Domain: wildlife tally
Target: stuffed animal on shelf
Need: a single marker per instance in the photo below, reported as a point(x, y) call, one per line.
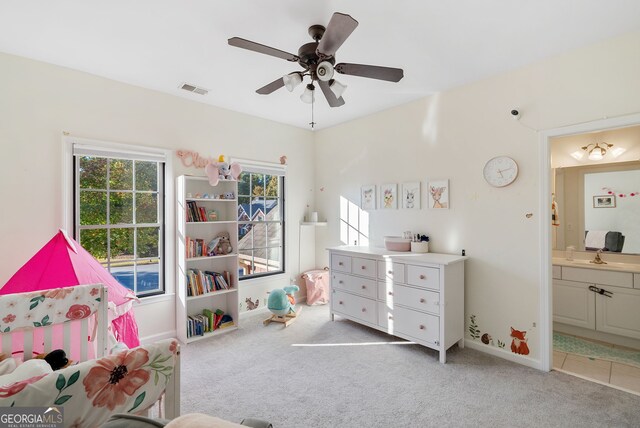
point(281, 303)
point(222, 170)
point(220, 245)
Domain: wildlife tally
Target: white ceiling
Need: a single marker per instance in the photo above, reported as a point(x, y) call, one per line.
point(159, 44)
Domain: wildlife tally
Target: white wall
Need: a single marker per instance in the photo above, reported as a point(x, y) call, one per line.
point(451, 135)
point(39, 101)
point(621, 218)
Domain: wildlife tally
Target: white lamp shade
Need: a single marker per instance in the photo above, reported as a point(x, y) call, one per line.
point(307, 95)
point(596, 154)
point(337, 88)
point(291, 81)
point(324, 71)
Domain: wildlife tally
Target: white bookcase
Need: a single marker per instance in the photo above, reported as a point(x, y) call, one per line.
point(198, 190)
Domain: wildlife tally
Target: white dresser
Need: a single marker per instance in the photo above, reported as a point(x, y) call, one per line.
point(419, 297)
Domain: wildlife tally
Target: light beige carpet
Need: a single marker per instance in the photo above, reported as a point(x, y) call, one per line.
point(347, 375)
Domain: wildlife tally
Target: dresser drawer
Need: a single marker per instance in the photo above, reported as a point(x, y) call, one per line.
point(340, 280)
point(363, 286)
point(421, 326)
point(386, 291)
point(341, 263)
point(354, 306)
point(363, 267)
point(417, 298)
point(390, 271)
point(422, 276)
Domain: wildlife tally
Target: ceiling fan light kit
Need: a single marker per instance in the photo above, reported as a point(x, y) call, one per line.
point(307, 95)
point(317, 60)
point(292, 80)
point(337, 87)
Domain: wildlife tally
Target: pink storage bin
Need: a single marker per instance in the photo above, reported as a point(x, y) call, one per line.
point(317, 282)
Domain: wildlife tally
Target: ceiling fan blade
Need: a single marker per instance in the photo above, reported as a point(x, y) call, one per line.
point(257, 47)
point(329, 95)
point(370, 71)
point(339, 28)
point(271, 87)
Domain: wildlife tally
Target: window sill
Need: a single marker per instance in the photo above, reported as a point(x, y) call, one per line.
point(155, 299)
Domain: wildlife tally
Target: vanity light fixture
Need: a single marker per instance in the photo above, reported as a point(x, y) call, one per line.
point(597, 151)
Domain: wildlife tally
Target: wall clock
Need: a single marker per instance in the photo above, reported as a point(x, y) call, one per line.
point(500, 171)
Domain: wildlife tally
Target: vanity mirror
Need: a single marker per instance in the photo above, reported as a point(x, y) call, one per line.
point(597, 199)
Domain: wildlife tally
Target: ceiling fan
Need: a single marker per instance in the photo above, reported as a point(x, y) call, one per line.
point(317, 58)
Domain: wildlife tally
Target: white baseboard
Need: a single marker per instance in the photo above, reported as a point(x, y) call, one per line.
point(155, 337)
point(502, 353)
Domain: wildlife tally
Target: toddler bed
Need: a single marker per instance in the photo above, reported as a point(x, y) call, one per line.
point(95, 385)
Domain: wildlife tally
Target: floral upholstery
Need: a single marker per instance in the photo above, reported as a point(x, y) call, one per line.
point(90, 392)
point(47, 307)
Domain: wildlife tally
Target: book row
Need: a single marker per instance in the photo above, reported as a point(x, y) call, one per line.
point(196, 213)
point(207, 322)
point(202, 282)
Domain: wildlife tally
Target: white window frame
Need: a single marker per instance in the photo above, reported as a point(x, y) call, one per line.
point(268, 168)
point(105, 147)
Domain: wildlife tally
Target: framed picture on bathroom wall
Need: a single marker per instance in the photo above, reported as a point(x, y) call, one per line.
point(604, 201)
point(368, 197)
point(388, 196)
point(438, 194)
point(411, 195)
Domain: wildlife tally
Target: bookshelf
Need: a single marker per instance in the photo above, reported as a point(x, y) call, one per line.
point(207, 279)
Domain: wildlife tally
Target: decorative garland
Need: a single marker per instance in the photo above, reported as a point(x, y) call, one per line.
point(620, 195)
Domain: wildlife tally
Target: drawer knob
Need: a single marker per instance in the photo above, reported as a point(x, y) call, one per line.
point(364, 309)
point(363, 267)
point(390, 293)
point(340, 282)
point(390, 272)
point(390, 317)
point(340, 264)
point(340, 302)
point(422, 327)
point(422, 300)
point(423, 277)
point(364, 287)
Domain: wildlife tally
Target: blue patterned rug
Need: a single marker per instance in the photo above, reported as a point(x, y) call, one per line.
point(575, 345)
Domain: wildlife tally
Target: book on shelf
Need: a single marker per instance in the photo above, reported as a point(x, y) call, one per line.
point(195, 213)
point(202, 282)
point(207, 322)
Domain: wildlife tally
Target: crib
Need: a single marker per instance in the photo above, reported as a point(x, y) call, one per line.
point(95, 385)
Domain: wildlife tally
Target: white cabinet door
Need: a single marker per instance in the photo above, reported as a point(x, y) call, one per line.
point(574, 304)
point(619, 313)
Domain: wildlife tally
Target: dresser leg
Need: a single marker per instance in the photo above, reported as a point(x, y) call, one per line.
point(332, 317)
point(461, 343)
point(443, 357)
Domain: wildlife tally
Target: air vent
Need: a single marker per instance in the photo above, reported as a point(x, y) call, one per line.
point(194, 89)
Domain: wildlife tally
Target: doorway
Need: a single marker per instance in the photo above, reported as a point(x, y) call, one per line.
point(570, 340)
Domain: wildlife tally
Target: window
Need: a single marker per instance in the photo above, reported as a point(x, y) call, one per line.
point(119, 214)
point(260, 222)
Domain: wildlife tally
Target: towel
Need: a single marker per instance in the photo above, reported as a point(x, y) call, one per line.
point(595, 239)
point(555, 215)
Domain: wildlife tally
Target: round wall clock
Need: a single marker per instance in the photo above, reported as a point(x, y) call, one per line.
point(500, 171)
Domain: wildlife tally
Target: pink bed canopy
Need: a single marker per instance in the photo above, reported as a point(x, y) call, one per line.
point(62, 262)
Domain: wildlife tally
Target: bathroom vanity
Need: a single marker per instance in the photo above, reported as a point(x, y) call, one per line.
point(418, 297)
point(599, 299)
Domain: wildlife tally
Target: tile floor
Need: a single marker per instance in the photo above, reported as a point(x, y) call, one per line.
point(617, 375)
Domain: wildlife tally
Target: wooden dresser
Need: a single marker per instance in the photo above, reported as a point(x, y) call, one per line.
point(418, 297)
